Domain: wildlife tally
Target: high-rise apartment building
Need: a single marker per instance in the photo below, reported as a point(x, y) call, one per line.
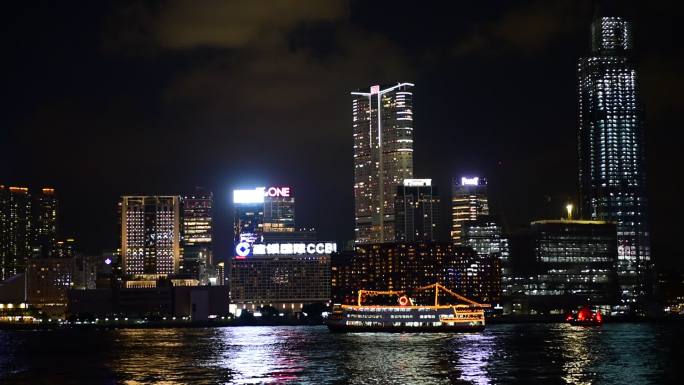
point(612, 173)
point(416, 210)
point(45, 224)
point(16, 235)
point(196, 234)
point(150, 235)
point(382, 121)
point(468, 202)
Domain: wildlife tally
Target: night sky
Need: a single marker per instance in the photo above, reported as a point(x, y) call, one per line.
point(104, 99)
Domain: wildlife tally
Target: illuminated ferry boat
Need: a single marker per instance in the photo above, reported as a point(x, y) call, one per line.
point(407, 316)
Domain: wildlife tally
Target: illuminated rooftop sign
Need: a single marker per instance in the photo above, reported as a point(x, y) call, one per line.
point(417, 182)
point(374, 90)
point(278, 192)
point(258, 194)
point(474, 181)
point(244, 249)
point(249, 196)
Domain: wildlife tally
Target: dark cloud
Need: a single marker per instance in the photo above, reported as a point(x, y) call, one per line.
point(528, 28)
point(184, 24)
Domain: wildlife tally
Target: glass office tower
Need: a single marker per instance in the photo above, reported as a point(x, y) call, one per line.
point(416, 209)
point(612, 173)
point(197, 234)
point(382, 121)
point(468, 202)
point(248, 221)
point(279, 211)
point(576, 264)
point(485, 235)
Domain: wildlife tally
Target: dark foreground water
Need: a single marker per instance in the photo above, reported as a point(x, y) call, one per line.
point(527, 353)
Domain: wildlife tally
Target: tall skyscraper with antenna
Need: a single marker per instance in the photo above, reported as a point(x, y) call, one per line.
point(612, 172)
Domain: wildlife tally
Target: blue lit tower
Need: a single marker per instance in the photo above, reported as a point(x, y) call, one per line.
point(611, 150)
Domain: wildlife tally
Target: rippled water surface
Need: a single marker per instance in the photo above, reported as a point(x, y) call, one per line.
point(543, 354)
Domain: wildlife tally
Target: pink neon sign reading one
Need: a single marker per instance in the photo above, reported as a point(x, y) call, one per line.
point(278, 192)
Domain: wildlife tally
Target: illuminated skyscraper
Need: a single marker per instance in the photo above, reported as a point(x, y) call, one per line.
point(45, 226)
point(468, 202)
point(279, 210)
point(417, 211)
point(485, 236)
point(150, 235)
point(15, 230)
point(575, 264)
point(248, 207)
point(612, 171)
point(196, 233)
point(382, 121)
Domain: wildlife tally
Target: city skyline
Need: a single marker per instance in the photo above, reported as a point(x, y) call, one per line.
point(341, 191)
point(535, 185)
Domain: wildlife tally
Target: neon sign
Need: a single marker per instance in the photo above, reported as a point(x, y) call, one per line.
point(375, 90)
point(278, 192)
point(417, 182)
point(255, 195)
point(474, 181)
point(244, 249)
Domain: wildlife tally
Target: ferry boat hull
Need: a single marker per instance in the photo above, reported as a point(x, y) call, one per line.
point(339, 328)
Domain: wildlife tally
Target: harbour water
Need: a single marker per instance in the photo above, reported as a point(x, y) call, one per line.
point(502, 354)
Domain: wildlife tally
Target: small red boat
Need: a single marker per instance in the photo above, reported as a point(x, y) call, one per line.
point(585, 317)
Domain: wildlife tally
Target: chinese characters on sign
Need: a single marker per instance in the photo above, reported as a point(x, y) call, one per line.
point(244, 249)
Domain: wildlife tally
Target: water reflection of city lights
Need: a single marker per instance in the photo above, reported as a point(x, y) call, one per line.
point(257, 355)
point(473, 354)
point(380, 358)
point(135, 366)
point(576, 354)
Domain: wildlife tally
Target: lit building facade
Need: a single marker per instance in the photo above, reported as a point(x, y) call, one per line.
point(416, 210)
point(150, 235)
point(286, 276)
point(267, 215)
point(45, 226)
point(197, 235)
point(612, 171)
point(65, 248)
point(382, 121)
point(485, 236)
point(48, 281)
point(16, 236)
point(468, 201)
point(576, 264)
point(410, 265)
point(279, 210)
point(248, 209)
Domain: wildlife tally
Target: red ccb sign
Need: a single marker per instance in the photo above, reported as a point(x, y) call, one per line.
point(278, 192)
